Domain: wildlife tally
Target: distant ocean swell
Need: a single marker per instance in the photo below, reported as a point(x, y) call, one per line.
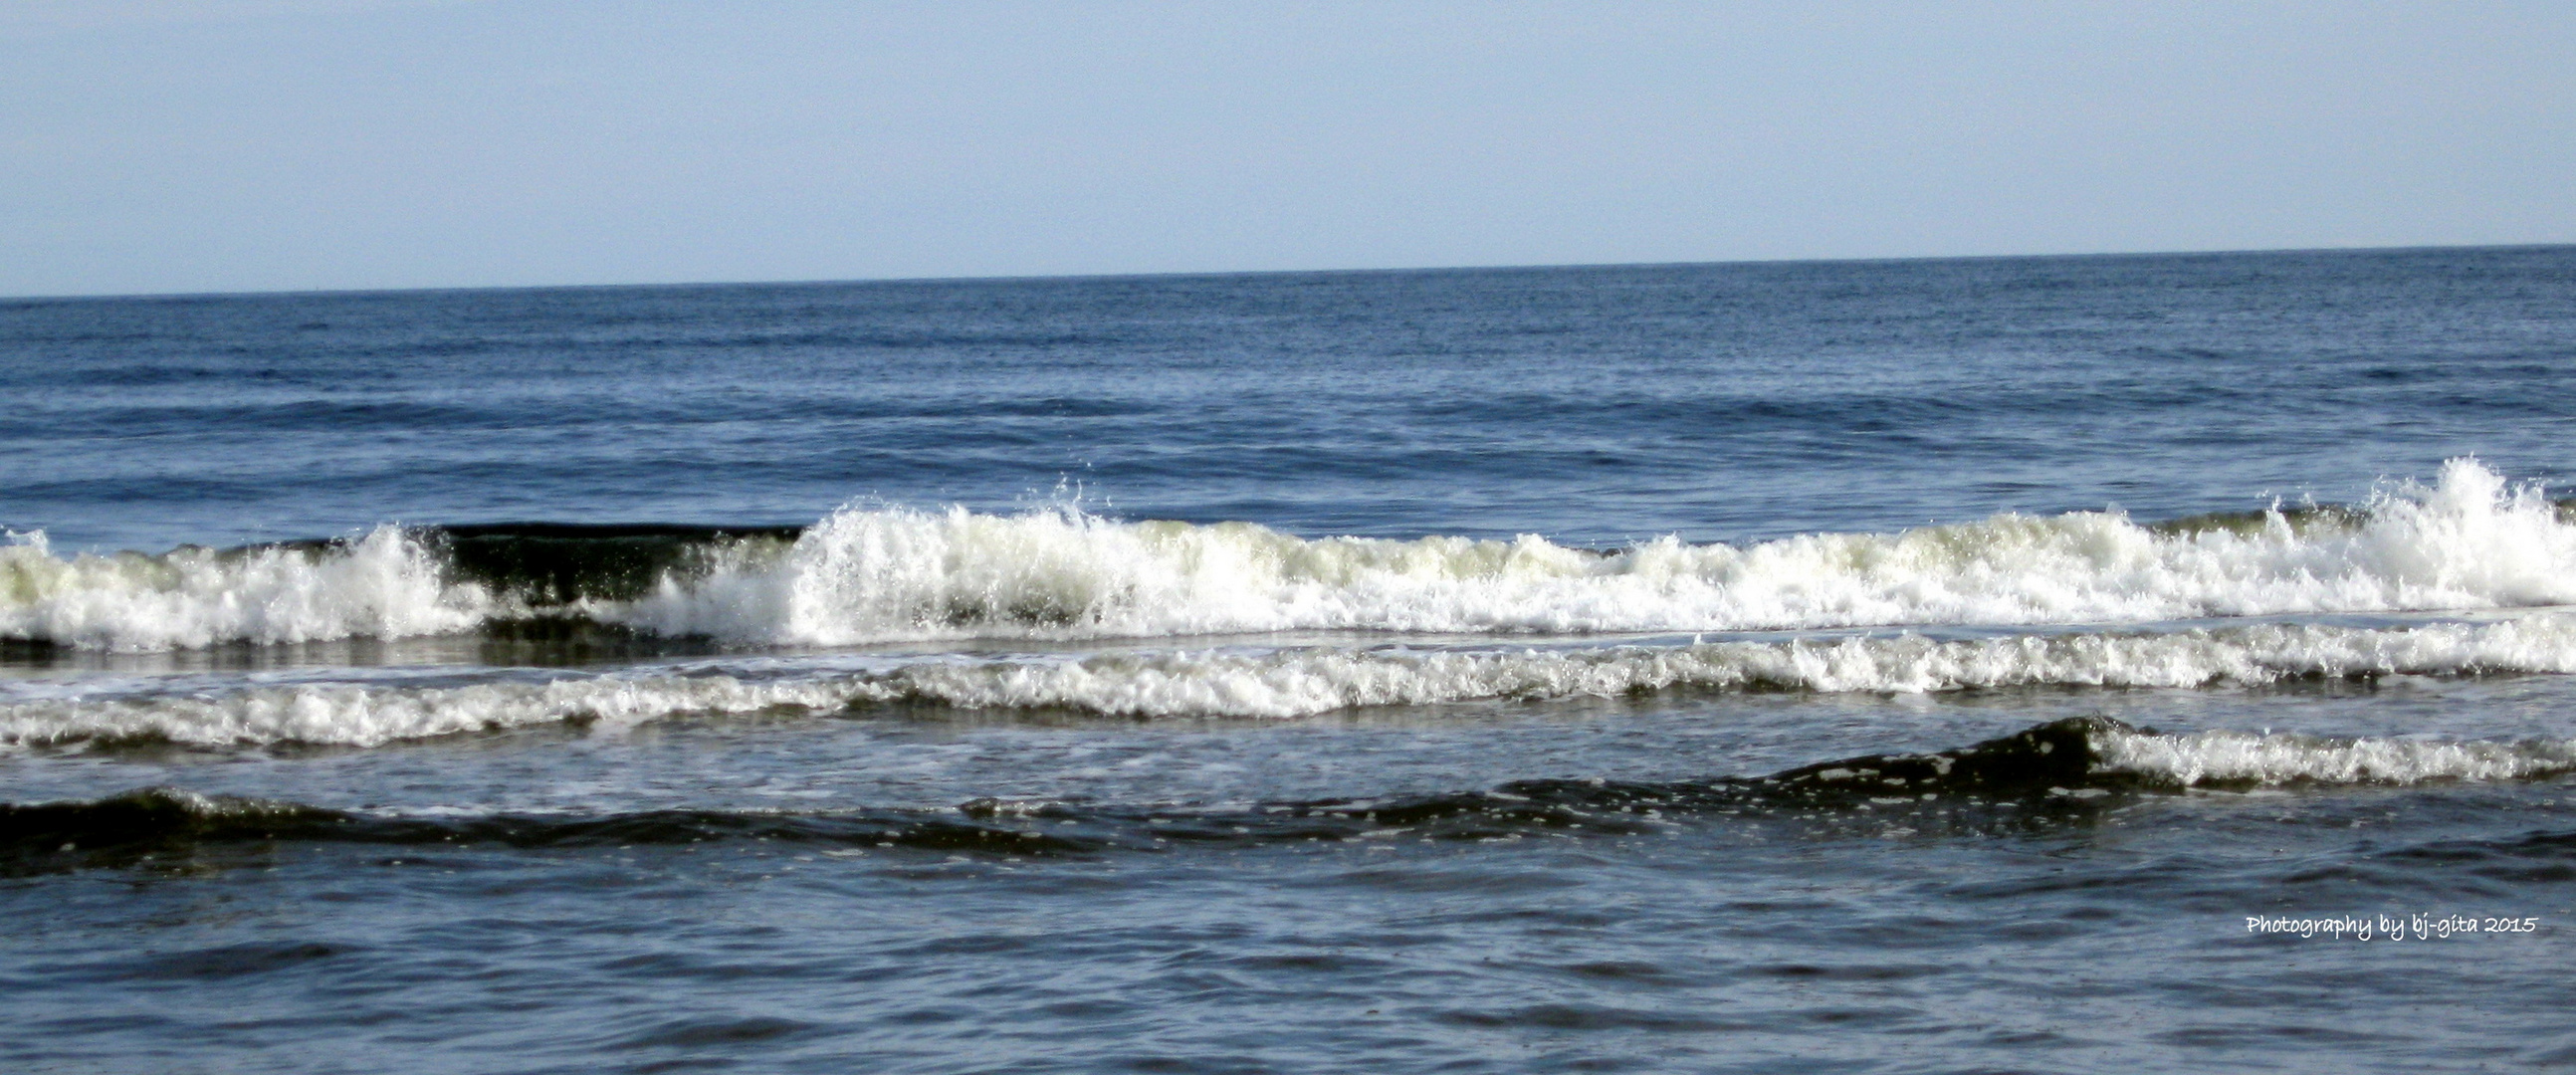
point(1286, 683)
point(2469, 541)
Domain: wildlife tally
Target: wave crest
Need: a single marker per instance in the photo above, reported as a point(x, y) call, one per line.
point(2470, 541)
point(384, 585)
point(863, 576)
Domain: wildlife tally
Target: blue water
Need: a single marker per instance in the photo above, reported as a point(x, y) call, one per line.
point(1718, 402)
point(1461, 670)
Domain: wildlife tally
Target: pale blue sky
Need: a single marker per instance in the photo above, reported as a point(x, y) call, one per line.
point(224, 145)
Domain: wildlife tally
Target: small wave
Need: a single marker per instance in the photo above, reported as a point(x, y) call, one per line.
point(861, 576)
point(121, 828)
point(1288, 683)
point(2063, 766)
point(2240, 759)
point(2087, 756)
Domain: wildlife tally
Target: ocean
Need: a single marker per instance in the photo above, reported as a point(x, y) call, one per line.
point(2017, 664)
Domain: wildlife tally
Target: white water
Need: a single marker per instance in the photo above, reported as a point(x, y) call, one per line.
point(2231, 757)
point(2471, 541)
point(1277, 684)
point(383, 585)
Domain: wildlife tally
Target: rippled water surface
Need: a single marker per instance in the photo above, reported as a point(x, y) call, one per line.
point(2009, 664)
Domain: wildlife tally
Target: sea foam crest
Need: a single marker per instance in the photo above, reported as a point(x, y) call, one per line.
point(2232, 758)
point(383, 585)
point(1286, 683)
point(2469, 541)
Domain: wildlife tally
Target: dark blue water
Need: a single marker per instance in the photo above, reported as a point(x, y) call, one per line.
point(1905, 666)
point(1713, 401)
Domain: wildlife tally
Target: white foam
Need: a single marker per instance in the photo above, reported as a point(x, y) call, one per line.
point(354, 715)
point(1277, 684)
point(2471, 541)
point(1307, 682)
point(383, 585)
point(2236, 758)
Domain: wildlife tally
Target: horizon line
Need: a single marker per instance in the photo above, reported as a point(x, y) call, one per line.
point(1224, 273)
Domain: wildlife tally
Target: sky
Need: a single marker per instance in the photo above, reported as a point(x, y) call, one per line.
point(254, 145)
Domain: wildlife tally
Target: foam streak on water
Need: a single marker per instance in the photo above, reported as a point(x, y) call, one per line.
point(1283, 684)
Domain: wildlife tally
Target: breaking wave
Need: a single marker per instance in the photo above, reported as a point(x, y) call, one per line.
point(2470, 541)
point(1284, 683)
point(384, 585)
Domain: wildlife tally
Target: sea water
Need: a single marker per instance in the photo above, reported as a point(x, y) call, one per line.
point(2001, 664)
